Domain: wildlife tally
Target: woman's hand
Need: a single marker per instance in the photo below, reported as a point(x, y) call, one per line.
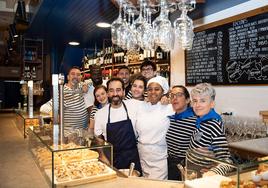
point(85, 88)
point(164, 100)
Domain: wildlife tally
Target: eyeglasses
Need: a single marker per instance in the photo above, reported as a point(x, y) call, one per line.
point(147, 69)
point(173, 95)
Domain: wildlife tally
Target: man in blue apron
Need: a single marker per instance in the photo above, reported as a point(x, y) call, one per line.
point(114, 122)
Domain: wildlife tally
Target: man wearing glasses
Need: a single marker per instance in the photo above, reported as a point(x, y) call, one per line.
point(148, 69)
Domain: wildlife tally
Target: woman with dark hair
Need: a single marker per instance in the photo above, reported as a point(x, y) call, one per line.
point(101, 99)
point(182, 127)
point(138, 88)
point(151, 126)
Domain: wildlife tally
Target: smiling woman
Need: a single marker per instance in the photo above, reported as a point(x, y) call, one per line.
point(209, 132)
point(181, 128)
point(151, 126)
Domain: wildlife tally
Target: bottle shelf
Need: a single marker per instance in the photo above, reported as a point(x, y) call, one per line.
point(32, 59)
point(33, 62)
point(112, 57)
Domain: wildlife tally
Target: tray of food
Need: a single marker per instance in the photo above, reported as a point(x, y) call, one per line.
point(44, 156)
point(82, 172)
point(253, 179)
point(260, 176)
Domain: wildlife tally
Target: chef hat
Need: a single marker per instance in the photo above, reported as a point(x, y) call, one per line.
point(161, 81)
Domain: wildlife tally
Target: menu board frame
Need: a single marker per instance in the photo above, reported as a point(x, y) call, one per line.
point(228, 66)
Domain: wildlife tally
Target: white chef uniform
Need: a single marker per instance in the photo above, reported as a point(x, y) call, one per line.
point(151, 125)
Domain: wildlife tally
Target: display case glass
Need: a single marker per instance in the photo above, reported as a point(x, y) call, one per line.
point(24, 121)
point(75, 161)
point(203, 168)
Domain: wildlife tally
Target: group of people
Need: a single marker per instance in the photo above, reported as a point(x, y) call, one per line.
point(148, 123)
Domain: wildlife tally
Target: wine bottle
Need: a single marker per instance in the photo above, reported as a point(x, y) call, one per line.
point(141, 55)
point(159, 53)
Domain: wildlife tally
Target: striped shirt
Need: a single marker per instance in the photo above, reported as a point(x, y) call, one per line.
point(129, 95)
point(178, 136)
point(93, 112)
point(47, 107)
point(213, 136)
point(75, 112)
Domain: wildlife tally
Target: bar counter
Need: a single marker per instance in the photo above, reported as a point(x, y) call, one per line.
point(251, 148)
point(133, 182)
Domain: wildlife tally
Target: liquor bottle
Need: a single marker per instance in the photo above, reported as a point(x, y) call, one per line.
point(159, 53)
point(121, 55)
point(152, 53)
point(110, 56)
point(141, 55)
point(115, 55)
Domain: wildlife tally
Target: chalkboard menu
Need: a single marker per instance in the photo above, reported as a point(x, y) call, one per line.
point(235, 53)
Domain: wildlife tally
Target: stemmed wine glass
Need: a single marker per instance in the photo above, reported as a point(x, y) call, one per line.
point(132, 42)
point(184, 25)
point(163, 31)
point(147, 35)
point(116, 25)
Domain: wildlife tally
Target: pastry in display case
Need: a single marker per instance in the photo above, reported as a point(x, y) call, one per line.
point(24, 121)
point(229, 173)
point(74, 162)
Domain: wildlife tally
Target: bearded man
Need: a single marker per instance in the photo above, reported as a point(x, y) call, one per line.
point(75, 112)
point(114, 123)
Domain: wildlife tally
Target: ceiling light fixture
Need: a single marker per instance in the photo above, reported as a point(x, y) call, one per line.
point(103, 24)
point(74, 43)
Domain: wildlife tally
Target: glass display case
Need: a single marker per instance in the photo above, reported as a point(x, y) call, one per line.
point(79, 160)
point(203, 168)
point(24, 121)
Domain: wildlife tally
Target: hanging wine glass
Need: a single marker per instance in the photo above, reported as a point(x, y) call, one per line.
point(140, 20)
point(183, 27)
point(116, 24)
point(187, 5)
point(147, 34)
point(123, 30)
point(140, 23)
point(163, 31)
point(131, 43)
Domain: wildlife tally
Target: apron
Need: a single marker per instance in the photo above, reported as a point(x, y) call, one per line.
point(121, 135)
